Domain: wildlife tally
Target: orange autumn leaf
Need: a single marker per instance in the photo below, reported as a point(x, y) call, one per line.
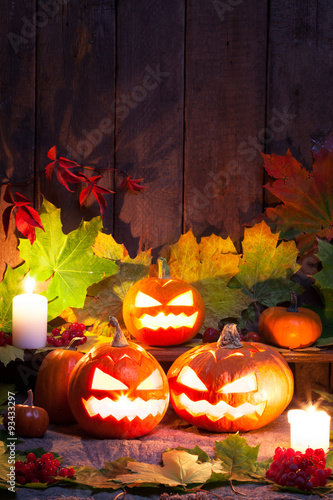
point(306, 211)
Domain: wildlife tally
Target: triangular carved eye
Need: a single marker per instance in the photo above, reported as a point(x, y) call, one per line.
point(154, 381)
point(185, 299)
point(243, 384)
point(189, 378)
point(105, 382)
point(144, 300)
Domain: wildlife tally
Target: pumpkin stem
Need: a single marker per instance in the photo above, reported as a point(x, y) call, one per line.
point(163, 268)
point(293, 303)
point(30, 400)
point(74, 343)
point(229, 338)
point(119, 339)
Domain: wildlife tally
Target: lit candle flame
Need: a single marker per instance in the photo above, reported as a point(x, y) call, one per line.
point(311, 410)
point(29, 285)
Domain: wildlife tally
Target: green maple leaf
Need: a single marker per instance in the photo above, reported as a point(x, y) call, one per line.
point(324, 286)
point(209, 266)
point(67, 260)
point(238, 459)
point(324, 278)
point(180, 469)
point(4, 390)
point(10, 286)
point(266, 267)
point(9, 353)
point(106, 297)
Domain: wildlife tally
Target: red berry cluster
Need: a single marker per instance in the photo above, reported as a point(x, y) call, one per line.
point(301, 470)
point(60, 338)
point(40, 470)
point(5, 338)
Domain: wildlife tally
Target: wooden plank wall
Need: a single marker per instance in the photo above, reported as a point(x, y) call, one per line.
point(181, 92)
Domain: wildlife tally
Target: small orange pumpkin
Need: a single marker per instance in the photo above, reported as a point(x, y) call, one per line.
point(118, 390)
point(52, 382)
point(161, 311)
point(230, 386)
point(292, 328)
point(29, 420)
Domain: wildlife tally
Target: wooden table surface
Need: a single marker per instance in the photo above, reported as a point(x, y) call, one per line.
point(306, 355)
point(311, 367)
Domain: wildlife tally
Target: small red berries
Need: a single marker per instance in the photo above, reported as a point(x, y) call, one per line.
point(62, 338)
point(44, 469)
point(300, 470)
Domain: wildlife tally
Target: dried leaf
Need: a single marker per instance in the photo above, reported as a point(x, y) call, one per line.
point(180, 469)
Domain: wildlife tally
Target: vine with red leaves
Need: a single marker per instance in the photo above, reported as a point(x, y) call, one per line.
point(27, 218)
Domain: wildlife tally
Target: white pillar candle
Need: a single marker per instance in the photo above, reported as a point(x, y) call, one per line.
point(29, 319)
point(309, 429)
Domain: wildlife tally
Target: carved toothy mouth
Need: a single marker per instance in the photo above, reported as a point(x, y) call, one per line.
point(125, 407)
point(220, 410)
point(165, 321)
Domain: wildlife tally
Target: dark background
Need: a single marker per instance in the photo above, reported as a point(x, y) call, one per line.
point(184, 93)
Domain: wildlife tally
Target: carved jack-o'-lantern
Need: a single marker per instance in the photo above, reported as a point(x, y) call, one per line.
point(118, 390)
point(228, 386)
point(162, 311)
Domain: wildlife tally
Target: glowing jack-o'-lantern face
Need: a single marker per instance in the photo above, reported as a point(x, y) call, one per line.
point(118, 392)
point(223, 390)
point(161, 311)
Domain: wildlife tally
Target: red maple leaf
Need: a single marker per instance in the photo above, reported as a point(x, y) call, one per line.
point(306, 211)
point(132, 184)
point(26, 218)
point(97, 191)
point(64, 175)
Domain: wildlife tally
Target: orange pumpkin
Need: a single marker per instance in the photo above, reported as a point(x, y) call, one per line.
point(161, 311)
point(292, 328)
point(26, 420)
point(118, 390)
point(230, 386)
point(52, 382)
